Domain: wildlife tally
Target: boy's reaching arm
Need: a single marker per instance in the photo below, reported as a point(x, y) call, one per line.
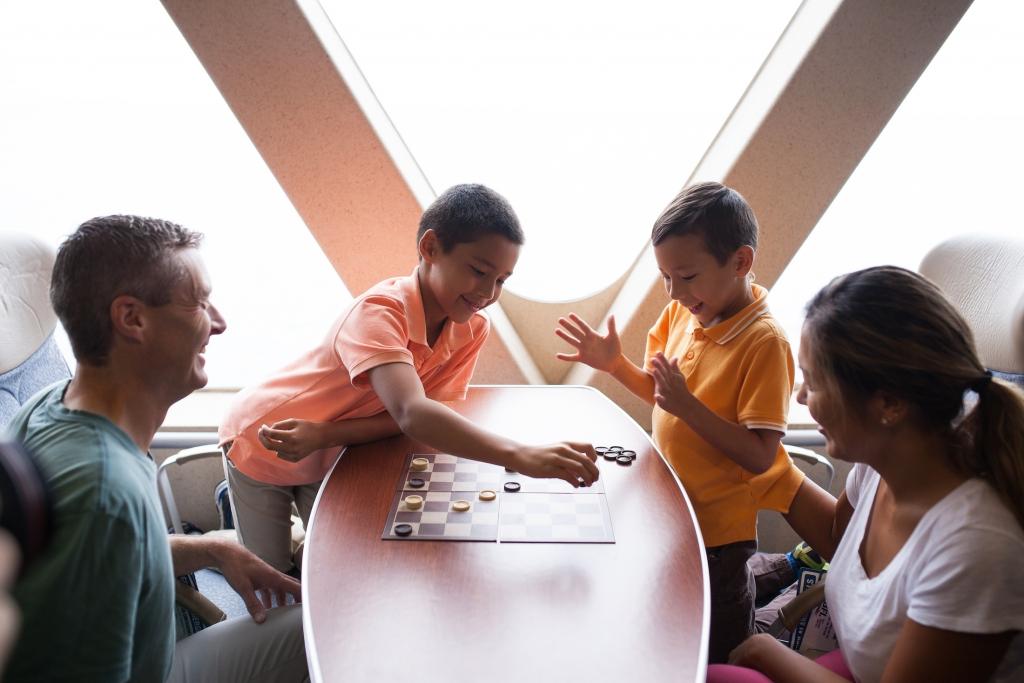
point(752, 449)
point(604, 353)
point(294, 439)
point(400, 390)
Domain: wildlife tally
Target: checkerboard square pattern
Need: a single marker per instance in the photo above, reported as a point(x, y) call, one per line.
point(555, 518)
point(436, 519)
point(543, 511)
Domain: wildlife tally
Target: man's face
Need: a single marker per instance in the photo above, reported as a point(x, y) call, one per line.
point(181, 329)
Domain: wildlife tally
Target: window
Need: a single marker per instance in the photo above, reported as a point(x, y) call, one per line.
point(107, 110)
point(588, 116)
point(946, 164)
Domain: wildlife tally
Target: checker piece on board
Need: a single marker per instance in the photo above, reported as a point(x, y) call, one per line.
point(625, 457)
point(419, 464)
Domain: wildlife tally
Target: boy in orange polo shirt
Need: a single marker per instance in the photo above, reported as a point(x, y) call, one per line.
point(397, 350)
point(720, 378)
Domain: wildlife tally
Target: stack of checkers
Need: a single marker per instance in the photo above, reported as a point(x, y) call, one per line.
point(616, 453)
point(443, 497)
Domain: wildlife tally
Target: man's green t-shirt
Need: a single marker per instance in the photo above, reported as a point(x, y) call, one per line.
point(99, 604)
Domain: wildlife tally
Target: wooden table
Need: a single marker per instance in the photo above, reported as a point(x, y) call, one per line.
point(451, 611)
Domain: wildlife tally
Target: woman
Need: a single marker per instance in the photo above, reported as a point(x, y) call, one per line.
point(927, 540)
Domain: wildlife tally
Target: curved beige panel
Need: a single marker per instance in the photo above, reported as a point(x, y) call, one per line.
point(281, 84)
point(536, 321)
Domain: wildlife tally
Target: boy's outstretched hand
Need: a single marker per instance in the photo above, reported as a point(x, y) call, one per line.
point(570, 461)
point(670, 390)
point(597, 351)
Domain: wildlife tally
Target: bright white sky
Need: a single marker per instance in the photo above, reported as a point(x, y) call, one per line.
point(587, 118)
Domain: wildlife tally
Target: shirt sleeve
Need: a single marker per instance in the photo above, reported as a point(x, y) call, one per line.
point(375, 332)
point(460, 367)
point(855, 483)
point(657, 336)
point(765, 392)
point(972, 582)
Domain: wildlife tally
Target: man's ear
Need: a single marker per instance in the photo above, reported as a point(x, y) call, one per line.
point(743, 260)
point(429, 246)
point(127, 318)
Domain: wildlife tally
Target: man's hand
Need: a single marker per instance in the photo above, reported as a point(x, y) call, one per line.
point(255, 580)
point(597, 351)
point(569, 461)
point(292, 439)
point(670, 390)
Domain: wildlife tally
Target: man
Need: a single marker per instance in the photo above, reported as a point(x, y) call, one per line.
point(134, 297)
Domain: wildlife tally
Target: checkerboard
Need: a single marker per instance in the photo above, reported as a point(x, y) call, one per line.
point(542, 511)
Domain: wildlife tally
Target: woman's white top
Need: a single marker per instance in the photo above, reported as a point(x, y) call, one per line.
point(962, 569)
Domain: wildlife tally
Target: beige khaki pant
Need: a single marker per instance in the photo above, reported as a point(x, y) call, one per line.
point(263, 515)
point(239, 650)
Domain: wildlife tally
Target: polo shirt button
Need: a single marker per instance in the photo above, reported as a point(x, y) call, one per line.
point(698, 334)
point(689, 355)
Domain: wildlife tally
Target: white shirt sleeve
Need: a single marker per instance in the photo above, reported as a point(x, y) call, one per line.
point(855, 483)
point(971, 583)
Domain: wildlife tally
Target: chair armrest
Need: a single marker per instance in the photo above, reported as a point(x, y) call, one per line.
point(164, 483)
point(197, 603)
point(791, 613)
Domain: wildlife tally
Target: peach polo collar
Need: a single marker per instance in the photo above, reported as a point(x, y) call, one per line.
point(730, 328)
point(452, 335)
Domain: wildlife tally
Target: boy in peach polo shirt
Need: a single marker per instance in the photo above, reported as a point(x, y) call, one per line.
point(720, 378)
point(399, 349)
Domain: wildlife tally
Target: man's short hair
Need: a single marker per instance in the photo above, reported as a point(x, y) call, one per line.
point(108, 257)
point(465, 213)
point(719, 214)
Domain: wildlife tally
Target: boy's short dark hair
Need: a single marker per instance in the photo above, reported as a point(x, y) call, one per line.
point(108, 257)
point(464, 213)
point(717, 213)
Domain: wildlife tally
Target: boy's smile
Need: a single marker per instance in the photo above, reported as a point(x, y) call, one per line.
point(464, 281)
point(710, 290)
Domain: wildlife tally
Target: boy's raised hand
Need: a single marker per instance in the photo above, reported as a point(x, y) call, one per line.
point(570, 461)
point(601, 352)
point(670, 390)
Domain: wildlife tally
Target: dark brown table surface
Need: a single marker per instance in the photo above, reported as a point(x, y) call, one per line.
point(458, 611)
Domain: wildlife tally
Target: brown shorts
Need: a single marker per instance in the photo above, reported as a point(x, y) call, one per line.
point(732, 598)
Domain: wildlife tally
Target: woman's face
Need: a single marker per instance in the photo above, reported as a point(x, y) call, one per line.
point(844, 430)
